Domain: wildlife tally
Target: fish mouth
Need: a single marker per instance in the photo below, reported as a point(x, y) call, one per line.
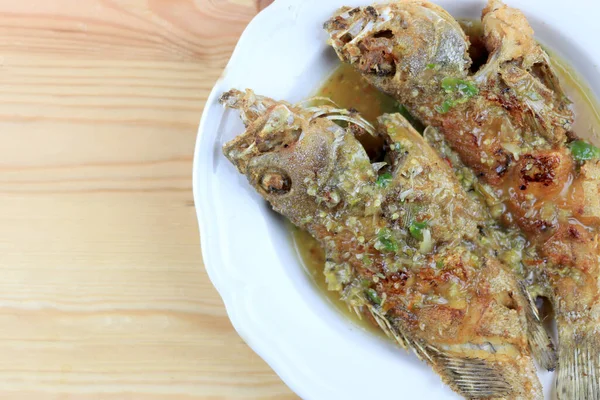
point(270, 127)
point(250, 105)
point(353, 31)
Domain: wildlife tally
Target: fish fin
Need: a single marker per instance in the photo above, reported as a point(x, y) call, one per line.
point(546, 110)
point(396, 333)
point(357, 310)
point(540, 342)
point(387, 328)
point(472, 377)
point(579, 366)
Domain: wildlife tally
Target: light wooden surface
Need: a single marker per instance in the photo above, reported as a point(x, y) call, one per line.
point(103, 294)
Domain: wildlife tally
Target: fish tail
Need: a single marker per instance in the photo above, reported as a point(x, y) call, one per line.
point(578, 362)
point(541, 344)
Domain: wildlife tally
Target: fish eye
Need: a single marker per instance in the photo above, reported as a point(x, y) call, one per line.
point(276, 182)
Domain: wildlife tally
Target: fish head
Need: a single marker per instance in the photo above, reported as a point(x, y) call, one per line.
point(298, 159)
point(400, 41)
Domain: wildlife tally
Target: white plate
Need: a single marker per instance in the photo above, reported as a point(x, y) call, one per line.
point(247, 250)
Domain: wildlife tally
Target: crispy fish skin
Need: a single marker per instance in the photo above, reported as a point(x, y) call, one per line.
point(416, 52)
point(402, 242)
point(510, 123)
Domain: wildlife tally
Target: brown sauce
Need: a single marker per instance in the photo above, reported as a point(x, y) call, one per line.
point(349, 90)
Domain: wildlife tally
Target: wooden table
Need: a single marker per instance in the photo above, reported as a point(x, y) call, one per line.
point(103, 294)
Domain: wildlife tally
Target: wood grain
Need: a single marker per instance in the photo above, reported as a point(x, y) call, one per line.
point(103, 294)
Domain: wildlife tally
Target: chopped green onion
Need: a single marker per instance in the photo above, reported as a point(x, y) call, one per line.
point(384, 179)
point(431, 66)
point(426, 244)
point(386, 240)
point(416, 229)
point(464, 89)
point(445, 107)
point(448, 84)
point(373, 296)
point(584, 151)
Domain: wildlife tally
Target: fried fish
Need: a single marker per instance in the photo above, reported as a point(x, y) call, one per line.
point(402, 239)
